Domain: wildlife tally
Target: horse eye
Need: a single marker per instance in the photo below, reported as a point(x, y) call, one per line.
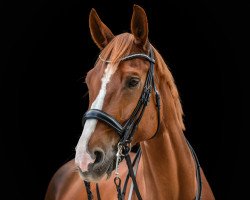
point(133, 82)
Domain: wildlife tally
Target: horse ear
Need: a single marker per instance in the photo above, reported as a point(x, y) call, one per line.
point(100, 33)
point(139, 27)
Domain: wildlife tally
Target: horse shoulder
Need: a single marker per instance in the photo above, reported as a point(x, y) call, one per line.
point(65, 184)
point(207, 193)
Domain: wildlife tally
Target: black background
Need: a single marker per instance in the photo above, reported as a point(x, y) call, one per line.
point(49, 50)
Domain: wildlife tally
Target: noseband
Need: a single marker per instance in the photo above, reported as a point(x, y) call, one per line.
point(127, 130)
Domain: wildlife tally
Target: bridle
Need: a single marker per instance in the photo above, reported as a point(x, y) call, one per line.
point(127, 130)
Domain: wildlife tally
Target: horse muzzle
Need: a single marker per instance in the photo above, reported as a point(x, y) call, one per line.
point(104, 164)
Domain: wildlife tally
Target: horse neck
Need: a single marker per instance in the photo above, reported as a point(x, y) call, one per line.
point(168, 165)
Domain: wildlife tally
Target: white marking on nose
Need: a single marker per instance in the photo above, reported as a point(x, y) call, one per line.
point(82, 157)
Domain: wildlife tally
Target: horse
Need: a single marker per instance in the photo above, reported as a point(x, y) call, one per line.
point(133, 100)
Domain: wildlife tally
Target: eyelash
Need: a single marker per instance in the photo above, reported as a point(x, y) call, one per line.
point(132, 82)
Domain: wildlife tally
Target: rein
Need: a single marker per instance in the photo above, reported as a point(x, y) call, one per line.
point(127, 131)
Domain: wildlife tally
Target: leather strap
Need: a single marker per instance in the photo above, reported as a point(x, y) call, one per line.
point(136, 160)
point(198, 172)
point(132, 175)
point(100, 115)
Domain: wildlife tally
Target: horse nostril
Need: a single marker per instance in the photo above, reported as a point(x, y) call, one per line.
point(98, 156)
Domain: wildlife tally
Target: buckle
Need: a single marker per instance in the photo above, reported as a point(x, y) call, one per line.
point(124, 148)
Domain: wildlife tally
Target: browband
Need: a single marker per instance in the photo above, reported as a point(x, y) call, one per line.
point(131, 56)
point(136, 55)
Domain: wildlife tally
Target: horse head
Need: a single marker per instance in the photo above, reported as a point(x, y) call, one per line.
point(115, 86)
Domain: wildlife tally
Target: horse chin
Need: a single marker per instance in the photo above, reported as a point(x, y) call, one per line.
point(96, 173)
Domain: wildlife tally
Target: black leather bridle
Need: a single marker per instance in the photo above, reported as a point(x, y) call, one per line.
point(127, 130)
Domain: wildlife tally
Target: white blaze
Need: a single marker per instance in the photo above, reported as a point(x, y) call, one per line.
point(82, 157)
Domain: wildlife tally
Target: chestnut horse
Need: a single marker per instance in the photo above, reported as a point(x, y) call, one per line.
point(167, 168)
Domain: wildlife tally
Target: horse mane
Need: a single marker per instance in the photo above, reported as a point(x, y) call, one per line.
point(173, 109)
point(123, 45)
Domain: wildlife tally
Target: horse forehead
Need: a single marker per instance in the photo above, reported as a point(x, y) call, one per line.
point(136, 62)
point(99, 77)
point(96, 76)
